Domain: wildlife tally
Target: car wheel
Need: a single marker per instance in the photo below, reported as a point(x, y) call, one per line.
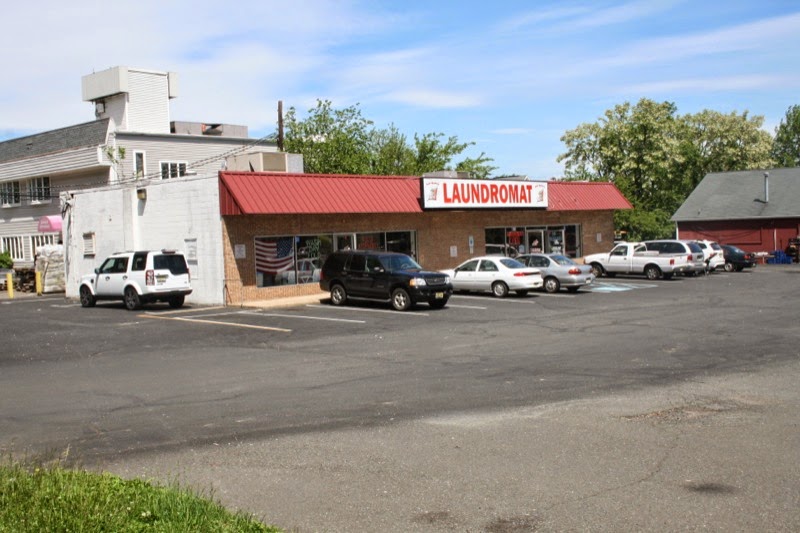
point(652, 272)
point(177, 301)
point(551, 285)
point(338, 295)
point(522, 293)
point(499, 289)
point(401, 301)
point(597, 270)
point(438, 304)
point(728, 267)
point(132, 300)
point(87, 298)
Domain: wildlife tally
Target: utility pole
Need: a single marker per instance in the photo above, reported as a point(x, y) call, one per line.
point(280, 125)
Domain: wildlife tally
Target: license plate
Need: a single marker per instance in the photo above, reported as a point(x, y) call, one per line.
point(588, 281)
point(439, 295)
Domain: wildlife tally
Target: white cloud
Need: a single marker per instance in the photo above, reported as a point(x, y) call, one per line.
point(433, 98)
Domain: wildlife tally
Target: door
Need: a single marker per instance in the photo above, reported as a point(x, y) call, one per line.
point(487, 273)
point(535, 241)
point(464, 276)
point(111, 277)
point(619, 260)
point(555, 241)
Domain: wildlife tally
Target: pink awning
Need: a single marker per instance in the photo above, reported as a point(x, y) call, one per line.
point(50, 224)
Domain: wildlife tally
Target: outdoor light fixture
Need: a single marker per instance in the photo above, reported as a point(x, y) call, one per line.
point(141, 194)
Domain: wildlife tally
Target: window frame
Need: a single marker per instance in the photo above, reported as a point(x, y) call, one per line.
point(180, 166)
point(10, 189)
point(39, 190)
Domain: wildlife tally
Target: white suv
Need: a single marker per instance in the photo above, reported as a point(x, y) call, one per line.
point(712, 254)
point(137, 278)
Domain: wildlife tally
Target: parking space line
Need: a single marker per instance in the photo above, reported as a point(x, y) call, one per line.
point(216, 323)
point(466, 306)
point(362, 309)
point(29, 300)
point(191, 309)
point(493, 299)
point(306, 317)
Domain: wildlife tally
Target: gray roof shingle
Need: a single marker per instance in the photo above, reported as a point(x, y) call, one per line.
point(740, 195)
point(92, 133)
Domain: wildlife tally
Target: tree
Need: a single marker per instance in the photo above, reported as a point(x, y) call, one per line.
point(786, 147)
point(344, 142)
point(657, 157)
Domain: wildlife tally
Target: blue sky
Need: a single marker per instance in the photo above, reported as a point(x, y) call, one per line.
point(510, 76)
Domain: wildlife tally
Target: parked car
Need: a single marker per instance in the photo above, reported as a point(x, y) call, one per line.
point(137, 278)
point(383, 276)
point(737, 259)
point(712, 254)
point(496, 274)
point(559, 271)
point(690, 251)
point(638, 258)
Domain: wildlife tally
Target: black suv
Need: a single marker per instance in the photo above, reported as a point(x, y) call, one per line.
point(383, 276)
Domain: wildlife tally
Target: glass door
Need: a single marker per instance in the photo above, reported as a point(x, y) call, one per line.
point(535, 241)
point(555, 240)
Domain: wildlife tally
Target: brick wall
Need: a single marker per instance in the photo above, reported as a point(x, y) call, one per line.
point(436, 231)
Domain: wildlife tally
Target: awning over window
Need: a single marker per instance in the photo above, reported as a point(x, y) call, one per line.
point(50, 224)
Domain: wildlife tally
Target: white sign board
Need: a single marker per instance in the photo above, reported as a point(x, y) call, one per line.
point(444, 193)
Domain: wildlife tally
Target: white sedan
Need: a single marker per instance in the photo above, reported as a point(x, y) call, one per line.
point(497, 274)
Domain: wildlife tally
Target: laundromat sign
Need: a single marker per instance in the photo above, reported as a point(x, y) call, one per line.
point(446, 193)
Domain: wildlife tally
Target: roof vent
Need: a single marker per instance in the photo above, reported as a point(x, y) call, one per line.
point(766, 187)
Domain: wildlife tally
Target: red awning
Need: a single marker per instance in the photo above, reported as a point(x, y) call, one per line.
point(262, 193)
point(50, 224)
point(277, 193)
point(584, 196)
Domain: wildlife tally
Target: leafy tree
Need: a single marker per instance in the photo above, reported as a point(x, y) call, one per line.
point(344, 142)
point(657, 157)
point(786, 148)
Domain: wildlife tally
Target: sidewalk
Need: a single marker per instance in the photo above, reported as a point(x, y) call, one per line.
point(289, 301)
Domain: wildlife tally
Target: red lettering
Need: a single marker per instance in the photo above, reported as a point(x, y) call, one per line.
point(456, 195)
point(493, 192)
point(514, 194)
point(503, 194)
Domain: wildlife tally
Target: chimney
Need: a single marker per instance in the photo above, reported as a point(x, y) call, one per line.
point(766, 187)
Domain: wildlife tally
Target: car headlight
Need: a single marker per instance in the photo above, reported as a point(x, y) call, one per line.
point(417, 282)
point(446, 280)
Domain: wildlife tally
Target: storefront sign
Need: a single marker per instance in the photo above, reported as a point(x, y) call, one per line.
point(443, 193)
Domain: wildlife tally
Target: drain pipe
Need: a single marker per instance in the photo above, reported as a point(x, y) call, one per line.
point(766, 187)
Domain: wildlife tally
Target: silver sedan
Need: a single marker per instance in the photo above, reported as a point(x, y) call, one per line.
point(559, 271)
point(497, 274)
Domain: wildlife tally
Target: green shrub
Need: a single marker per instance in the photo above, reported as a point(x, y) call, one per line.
point(6, 261)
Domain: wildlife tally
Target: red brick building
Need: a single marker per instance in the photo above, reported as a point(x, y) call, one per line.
point(278, 228)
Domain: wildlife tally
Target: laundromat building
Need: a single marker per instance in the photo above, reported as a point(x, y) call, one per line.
point(278, 228)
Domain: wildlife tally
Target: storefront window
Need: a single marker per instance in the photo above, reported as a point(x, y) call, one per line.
point(370, 241)
point(291, 260)
point(512, 241)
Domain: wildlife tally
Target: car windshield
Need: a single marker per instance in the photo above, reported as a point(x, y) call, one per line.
point(512, 263)
point(399, 262)
point(562, 260)
point(694, 247)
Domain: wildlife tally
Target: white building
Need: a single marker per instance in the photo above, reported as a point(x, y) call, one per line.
point(115, 178)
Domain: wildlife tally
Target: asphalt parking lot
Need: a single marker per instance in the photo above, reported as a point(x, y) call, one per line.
point(636, 405)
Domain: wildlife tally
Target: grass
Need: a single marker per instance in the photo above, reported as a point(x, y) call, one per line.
point(56, 499)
